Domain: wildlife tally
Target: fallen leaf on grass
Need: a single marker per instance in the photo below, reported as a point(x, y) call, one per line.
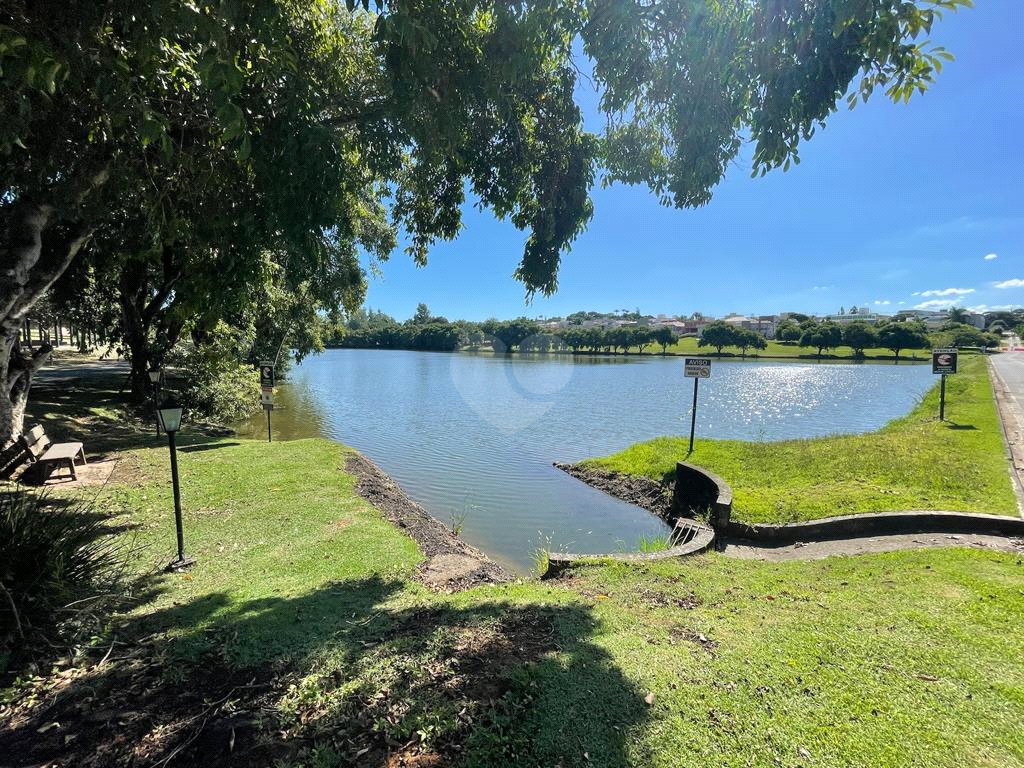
point(803, 753)
point(927, 678)
point(649, 698)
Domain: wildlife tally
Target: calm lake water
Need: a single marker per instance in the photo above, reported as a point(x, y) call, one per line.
point(473, 436)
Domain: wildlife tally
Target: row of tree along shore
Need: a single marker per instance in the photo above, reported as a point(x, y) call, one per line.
point(377, 330)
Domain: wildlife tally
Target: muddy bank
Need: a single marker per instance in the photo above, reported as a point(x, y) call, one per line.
point(451, 564)
point(639, 491)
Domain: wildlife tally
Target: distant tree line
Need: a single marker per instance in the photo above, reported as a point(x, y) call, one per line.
point(369, 329)
point(720, 334)
point(895, 336)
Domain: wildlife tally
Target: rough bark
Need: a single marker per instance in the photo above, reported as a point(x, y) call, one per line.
point(16, 371)
point(36, 246)
point(32, 257)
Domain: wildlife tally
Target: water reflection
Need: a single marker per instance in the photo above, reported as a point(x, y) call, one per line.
point(475, 434)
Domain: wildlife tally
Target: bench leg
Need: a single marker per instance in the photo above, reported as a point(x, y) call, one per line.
point(71, 466)
point(81, 452)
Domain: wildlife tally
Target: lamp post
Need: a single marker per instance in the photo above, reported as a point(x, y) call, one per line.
point(170, 419)
point(156, 377)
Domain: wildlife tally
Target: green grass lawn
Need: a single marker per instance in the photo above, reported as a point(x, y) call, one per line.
point(916, 462)
point(688, 346)
point(302, 628)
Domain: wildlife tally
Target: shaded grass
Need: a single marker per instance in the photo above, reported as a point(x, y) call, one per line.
point(915, 462)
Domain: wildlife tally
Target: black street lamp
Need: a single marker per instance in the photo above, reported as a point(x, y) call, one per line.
point(170, 420)
point(156, 377)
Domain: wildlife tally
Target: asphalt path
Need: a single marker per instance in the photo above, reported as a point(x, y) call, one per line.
point(59, 370)
point(1008, 368)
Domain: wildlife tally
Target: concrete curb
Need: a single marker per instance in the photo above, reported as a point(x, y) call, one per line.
point(559, 561)
point(875, 524)
point(1004, 399)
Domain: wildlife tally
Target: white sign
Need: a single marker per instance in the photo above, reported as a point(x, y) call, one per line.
point(267, 397)
point(697, 367)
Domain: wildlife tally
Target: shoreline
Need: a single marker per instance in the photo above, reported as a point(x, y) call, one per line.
point(450, 564)
point(725, 357)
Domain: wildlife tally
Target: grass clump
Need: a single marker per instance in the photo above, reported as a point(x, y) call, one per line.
point(654, 543)
point(915, 462)
point(54, 556)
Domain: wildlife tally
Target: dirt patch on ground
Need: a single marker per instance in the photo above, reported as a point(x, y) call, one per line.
point(862, 545)
point(640, 491)
point(132, 712)
point(451, 564)
point(135, 707)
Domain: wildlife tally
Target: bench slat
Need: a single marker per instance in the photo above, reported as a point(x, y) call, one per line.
point(60, 451)
point(34, 435)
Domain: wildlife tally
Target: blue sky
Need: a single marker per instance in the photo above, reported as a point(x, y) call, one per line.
point(894, 207)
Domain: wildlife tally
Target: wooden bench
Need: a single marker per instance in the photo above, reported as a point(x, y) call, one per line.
point(44, 453)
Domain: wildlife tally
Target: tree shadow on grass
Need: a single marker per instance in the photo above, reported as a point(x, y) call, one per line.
point(211, 446)
point(339, 677)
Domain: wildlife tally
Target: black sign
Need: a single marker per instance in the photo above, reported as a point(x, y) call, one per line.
point(697, 367)
point(944, 361)
point(266, 374)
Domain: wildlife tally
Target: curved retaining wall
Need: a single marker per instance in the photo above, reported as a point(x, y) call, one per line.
point(876, 524)
point(697, 491)
point(559, 561)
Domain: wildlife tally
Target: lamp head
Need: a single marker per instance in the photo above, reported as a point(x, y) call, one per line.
point(170, 416)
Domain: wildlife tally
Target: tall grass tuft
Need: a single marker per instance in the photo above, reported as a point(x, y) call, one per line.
point(57, 559)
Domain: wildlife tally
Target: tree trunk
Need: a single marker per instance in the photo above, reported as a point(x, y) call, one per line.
point(133, 292)
point(16, 371)
point(32, 257)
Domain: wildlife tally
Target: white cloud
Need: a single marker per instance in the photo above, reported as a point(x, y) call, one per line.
point(902, 303)
point(1015, 283)
point(882, 303)
point(936, 304)
point(822, 288)
point(945, 292)
point(991, 257)
point(982, 308)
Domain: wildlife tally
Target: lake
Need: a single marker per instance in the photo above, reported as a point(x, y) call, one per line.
point(472, 437)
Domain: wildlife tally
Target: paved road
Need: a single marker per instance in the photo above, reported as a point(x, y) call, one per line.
point(1009, 391)
point(59, 370)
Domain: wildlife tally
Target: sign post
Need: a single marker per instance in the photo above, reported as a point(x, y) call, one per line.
point(943, 363)
point(267, 392)
point(696, 368)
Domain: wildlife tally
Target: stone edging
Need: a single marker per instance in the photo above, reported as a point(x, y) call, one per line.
point(878, 523)
point(559, 561)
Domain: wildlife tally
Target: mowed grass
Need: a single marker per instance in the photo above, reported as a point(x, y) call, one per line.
point(902, 659)
point(916, 462)
point(688, 346)
point(266, 523)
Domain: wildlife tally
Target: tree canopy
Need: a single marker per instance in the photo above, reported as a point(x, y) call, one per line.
point(203, 149)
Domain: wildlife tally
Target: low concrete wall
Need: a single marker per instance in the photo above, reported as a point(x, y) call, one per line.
point(559, 561)
point(697, 491)
point(877, 524)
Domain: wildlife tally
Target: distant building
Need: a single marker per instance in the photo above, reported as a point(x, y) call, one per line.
point(762, 323)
